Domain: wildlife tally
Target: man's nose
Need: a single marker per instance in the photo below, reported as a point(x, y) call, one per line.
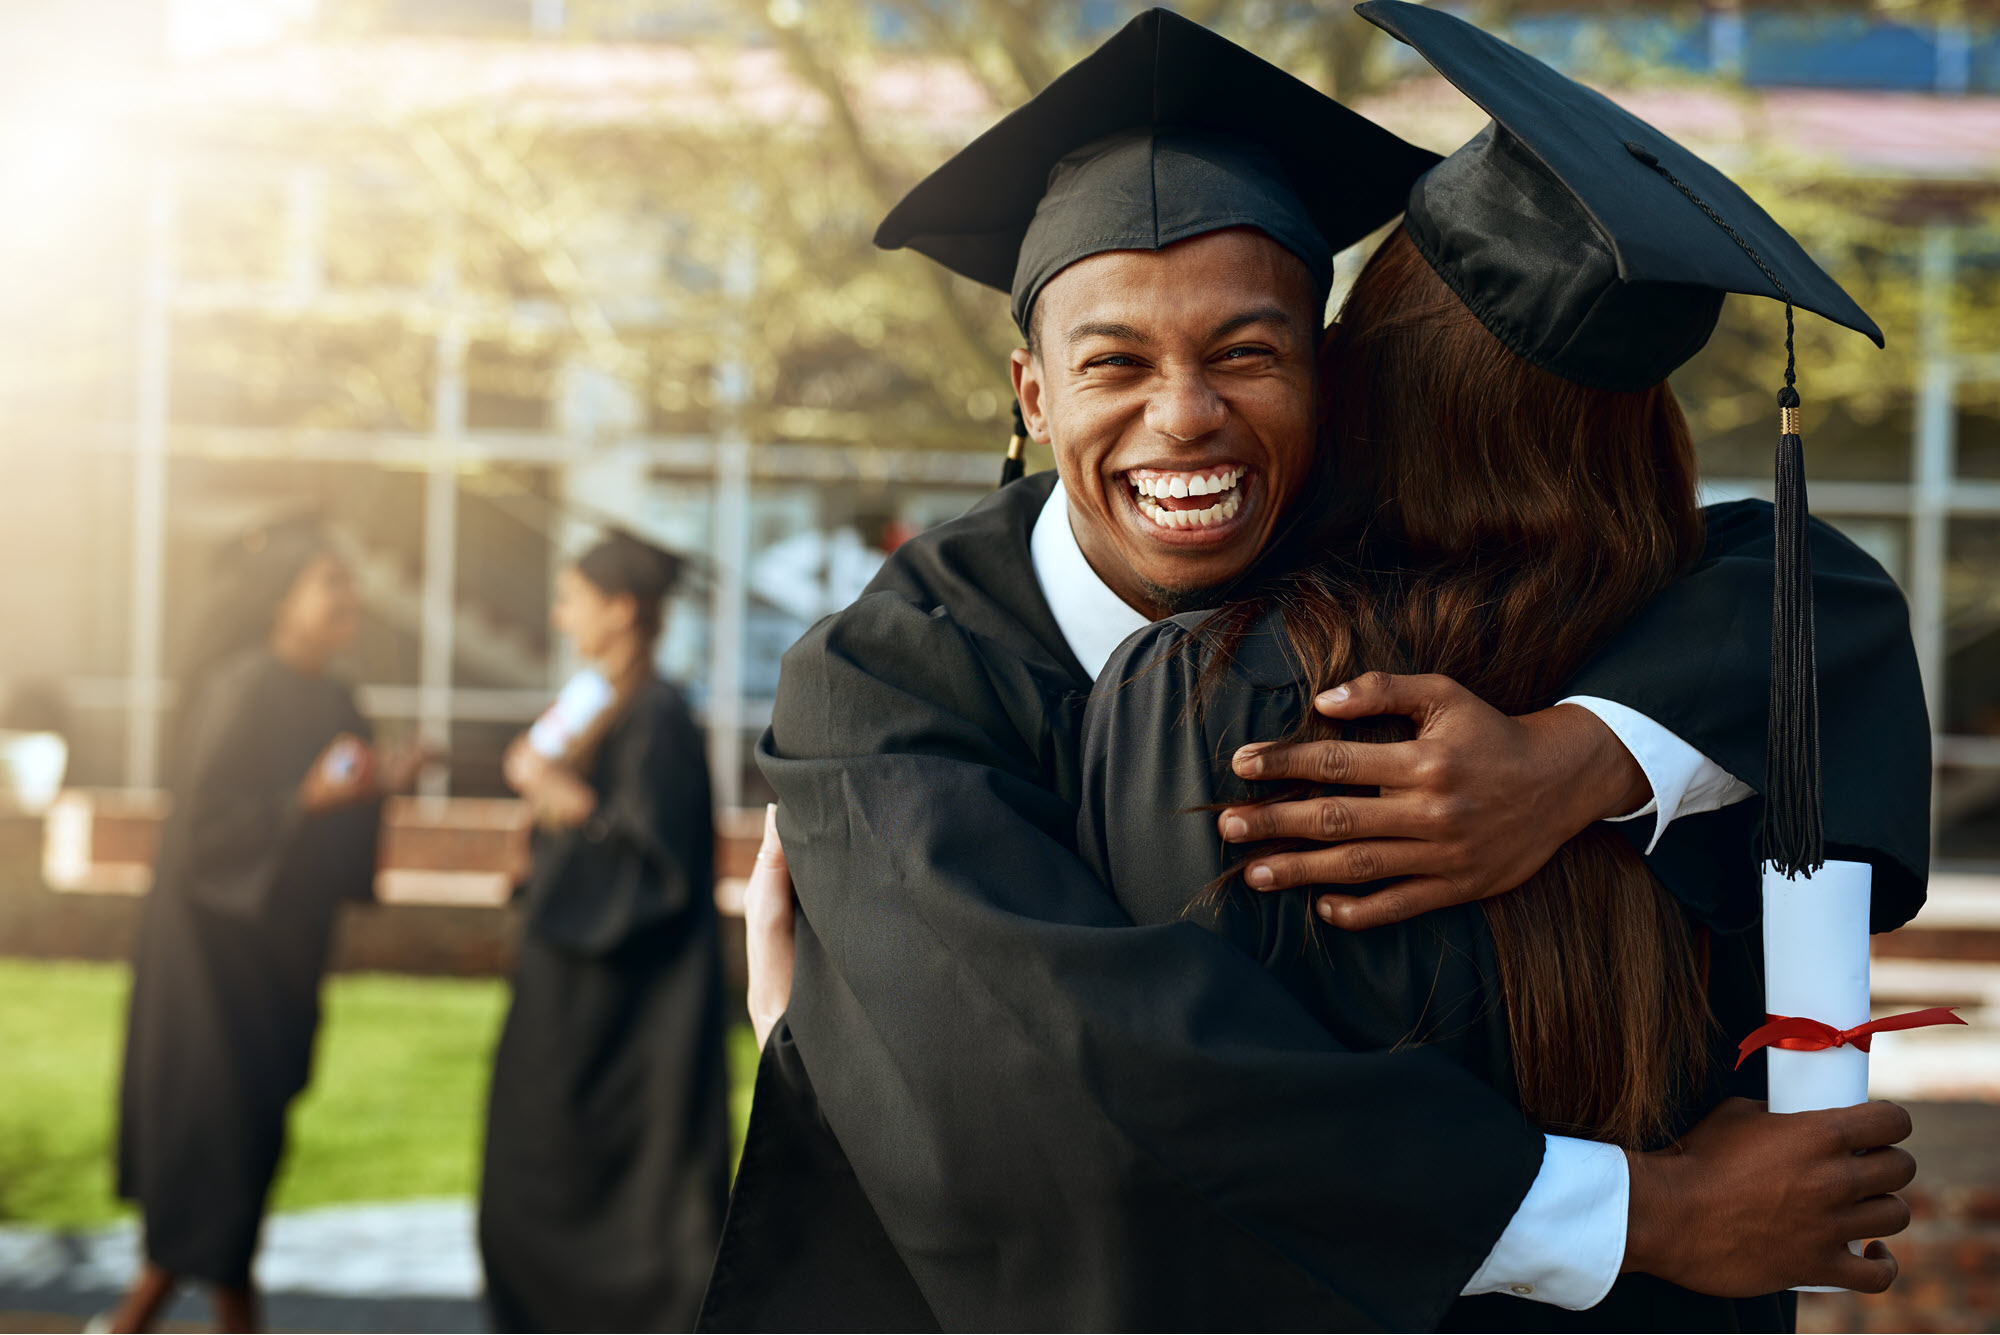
point(1186, 407)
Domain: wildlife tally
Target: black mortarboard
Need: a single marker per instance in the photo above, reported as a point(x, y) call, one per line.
point(623, 562)
point(1599, 249)
point(1165, 132)
point(250, 576)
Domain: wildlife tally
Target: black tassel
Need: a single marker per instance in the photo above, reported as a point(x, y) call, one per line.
point(1017, 445)
point(1794, 805)
point(1794, 839)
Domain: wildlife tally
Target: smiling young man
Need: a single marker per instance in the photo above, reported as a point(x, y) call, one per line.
point(994, 1102)
point(1186, 433)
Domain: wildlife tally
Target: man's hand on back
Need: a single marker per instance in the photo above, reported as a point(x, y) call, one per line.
point(1752, 1202)
point(1469, 808)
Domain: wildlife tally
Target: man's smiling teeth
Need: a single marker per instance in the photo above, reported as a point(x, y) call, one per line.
point(1213, 482)
point(1154, 485)
point(1221, 512)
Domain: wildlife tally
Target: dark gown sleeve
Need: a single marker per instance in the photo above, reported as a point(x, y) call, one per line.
point(1697, 661)
point(647, 852)
point(240, 794)
point(1062, 1119)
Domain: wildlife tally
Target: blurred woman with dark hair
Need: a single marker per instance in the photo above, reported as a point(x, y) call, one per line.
point(607, 1146)
point(276, 811)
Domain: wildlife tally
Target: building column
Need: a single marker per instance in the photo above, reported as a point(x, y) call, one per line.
point(145, 693)
point(727, 605)
point(1933, 462)
point(729, 601)
point(440, 580)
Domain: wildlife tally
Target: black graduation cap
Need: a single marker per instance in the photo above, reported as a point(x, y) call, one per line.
point(1599, 249)
point(621, 561)
point(1165, 132)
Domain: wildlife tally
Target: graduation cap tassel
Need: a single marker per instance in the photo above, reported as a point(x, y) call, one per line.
point(1794, 801)
point(1015, 464)
point(1794, 805)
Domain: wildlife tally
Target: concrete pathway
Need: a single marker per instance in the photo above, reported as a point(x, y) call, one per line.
point(407, 1266)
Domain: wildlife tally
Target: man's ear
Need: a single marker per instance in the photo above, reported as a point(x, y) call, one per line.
point(1026, 370)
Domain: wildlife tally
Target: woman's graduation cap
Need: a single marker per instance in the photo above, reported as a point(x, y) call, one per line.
point(1599, 249)
point(1163, 133)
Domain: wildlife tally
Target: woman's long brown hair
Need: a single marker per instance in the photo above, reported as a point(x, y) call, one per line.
point(1478, 517)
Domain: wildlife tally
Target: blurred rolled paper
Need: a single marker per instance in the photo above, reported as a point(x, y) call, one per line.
point(582, 698)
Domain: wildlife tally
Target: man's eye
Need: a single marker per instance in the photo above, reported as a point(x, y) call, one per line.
point(1113, 359)
point(1247, 351)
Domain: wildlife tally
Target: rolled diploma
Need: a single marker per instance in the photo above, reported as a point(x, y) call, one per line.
point(581, 700)
point(1816, 966)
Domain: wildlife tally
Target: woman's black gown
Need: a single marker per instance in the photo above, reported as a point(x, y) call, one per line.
point(607, 1144)
point(232, 944)
point(1151, 763)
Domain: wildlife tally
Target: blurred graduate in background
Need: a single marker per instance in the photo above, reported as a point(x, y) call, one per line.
point(607, 1154)
point(275, 818)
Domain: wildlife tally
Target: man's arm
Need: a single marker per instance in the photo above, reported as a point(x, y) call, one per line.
point(1064, 1119)
point(1479, 800)
point(1696, 660)
point(1061, 1118)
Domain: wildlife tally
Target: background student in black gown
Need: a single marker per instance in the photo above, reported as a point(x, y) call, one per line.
point(607, 1155)
point(276, 811)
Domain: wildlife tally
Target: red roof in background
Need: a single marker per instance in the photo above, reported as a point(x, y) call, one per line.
point(1896, 134)
point(566, 82)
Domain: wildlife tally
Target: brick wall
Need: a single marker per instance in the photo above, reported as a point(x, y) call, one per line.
point(420, 938)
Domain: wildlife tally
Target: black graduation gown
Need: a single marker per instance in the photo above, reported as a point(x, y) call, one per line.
point(607, 1143)
point(1154, 765)
point(232, 944)
point(996, 1102)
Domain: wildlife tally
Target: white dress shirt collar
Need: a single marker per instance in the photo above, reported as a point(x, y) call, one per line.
point(1093, 620)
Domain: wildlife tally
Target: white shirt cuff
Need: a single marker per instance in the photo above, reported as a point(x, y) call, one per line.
point(1566, 1243)
point(1684, 780)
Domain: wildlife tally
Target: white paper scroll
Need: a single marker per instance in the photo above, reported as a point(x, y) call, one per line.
point(1816, 967)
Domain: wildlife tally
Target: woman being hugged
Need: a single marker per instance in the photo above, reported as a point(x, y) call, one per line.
point(607, 1153)
point(1507, 481)
point(275, 818)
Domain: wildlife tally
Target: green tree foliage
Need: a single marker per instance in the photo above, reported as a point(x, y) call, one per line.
point(705, 238)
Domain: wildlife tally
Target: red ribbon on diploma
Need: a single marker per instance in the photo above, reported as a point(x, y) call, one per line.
point(1796, 1034)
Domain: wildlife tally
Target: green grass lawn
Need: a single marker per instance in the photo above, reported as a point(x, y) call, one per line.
point(395, 1110)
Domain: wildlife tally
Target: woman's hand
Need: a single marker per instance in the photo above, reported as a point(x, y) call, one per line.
point(397, 772)
point(522, 765)
point(557, 797)
point(560, 800)
point(1470, 808)
point(343, 775)
point(769, 936)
